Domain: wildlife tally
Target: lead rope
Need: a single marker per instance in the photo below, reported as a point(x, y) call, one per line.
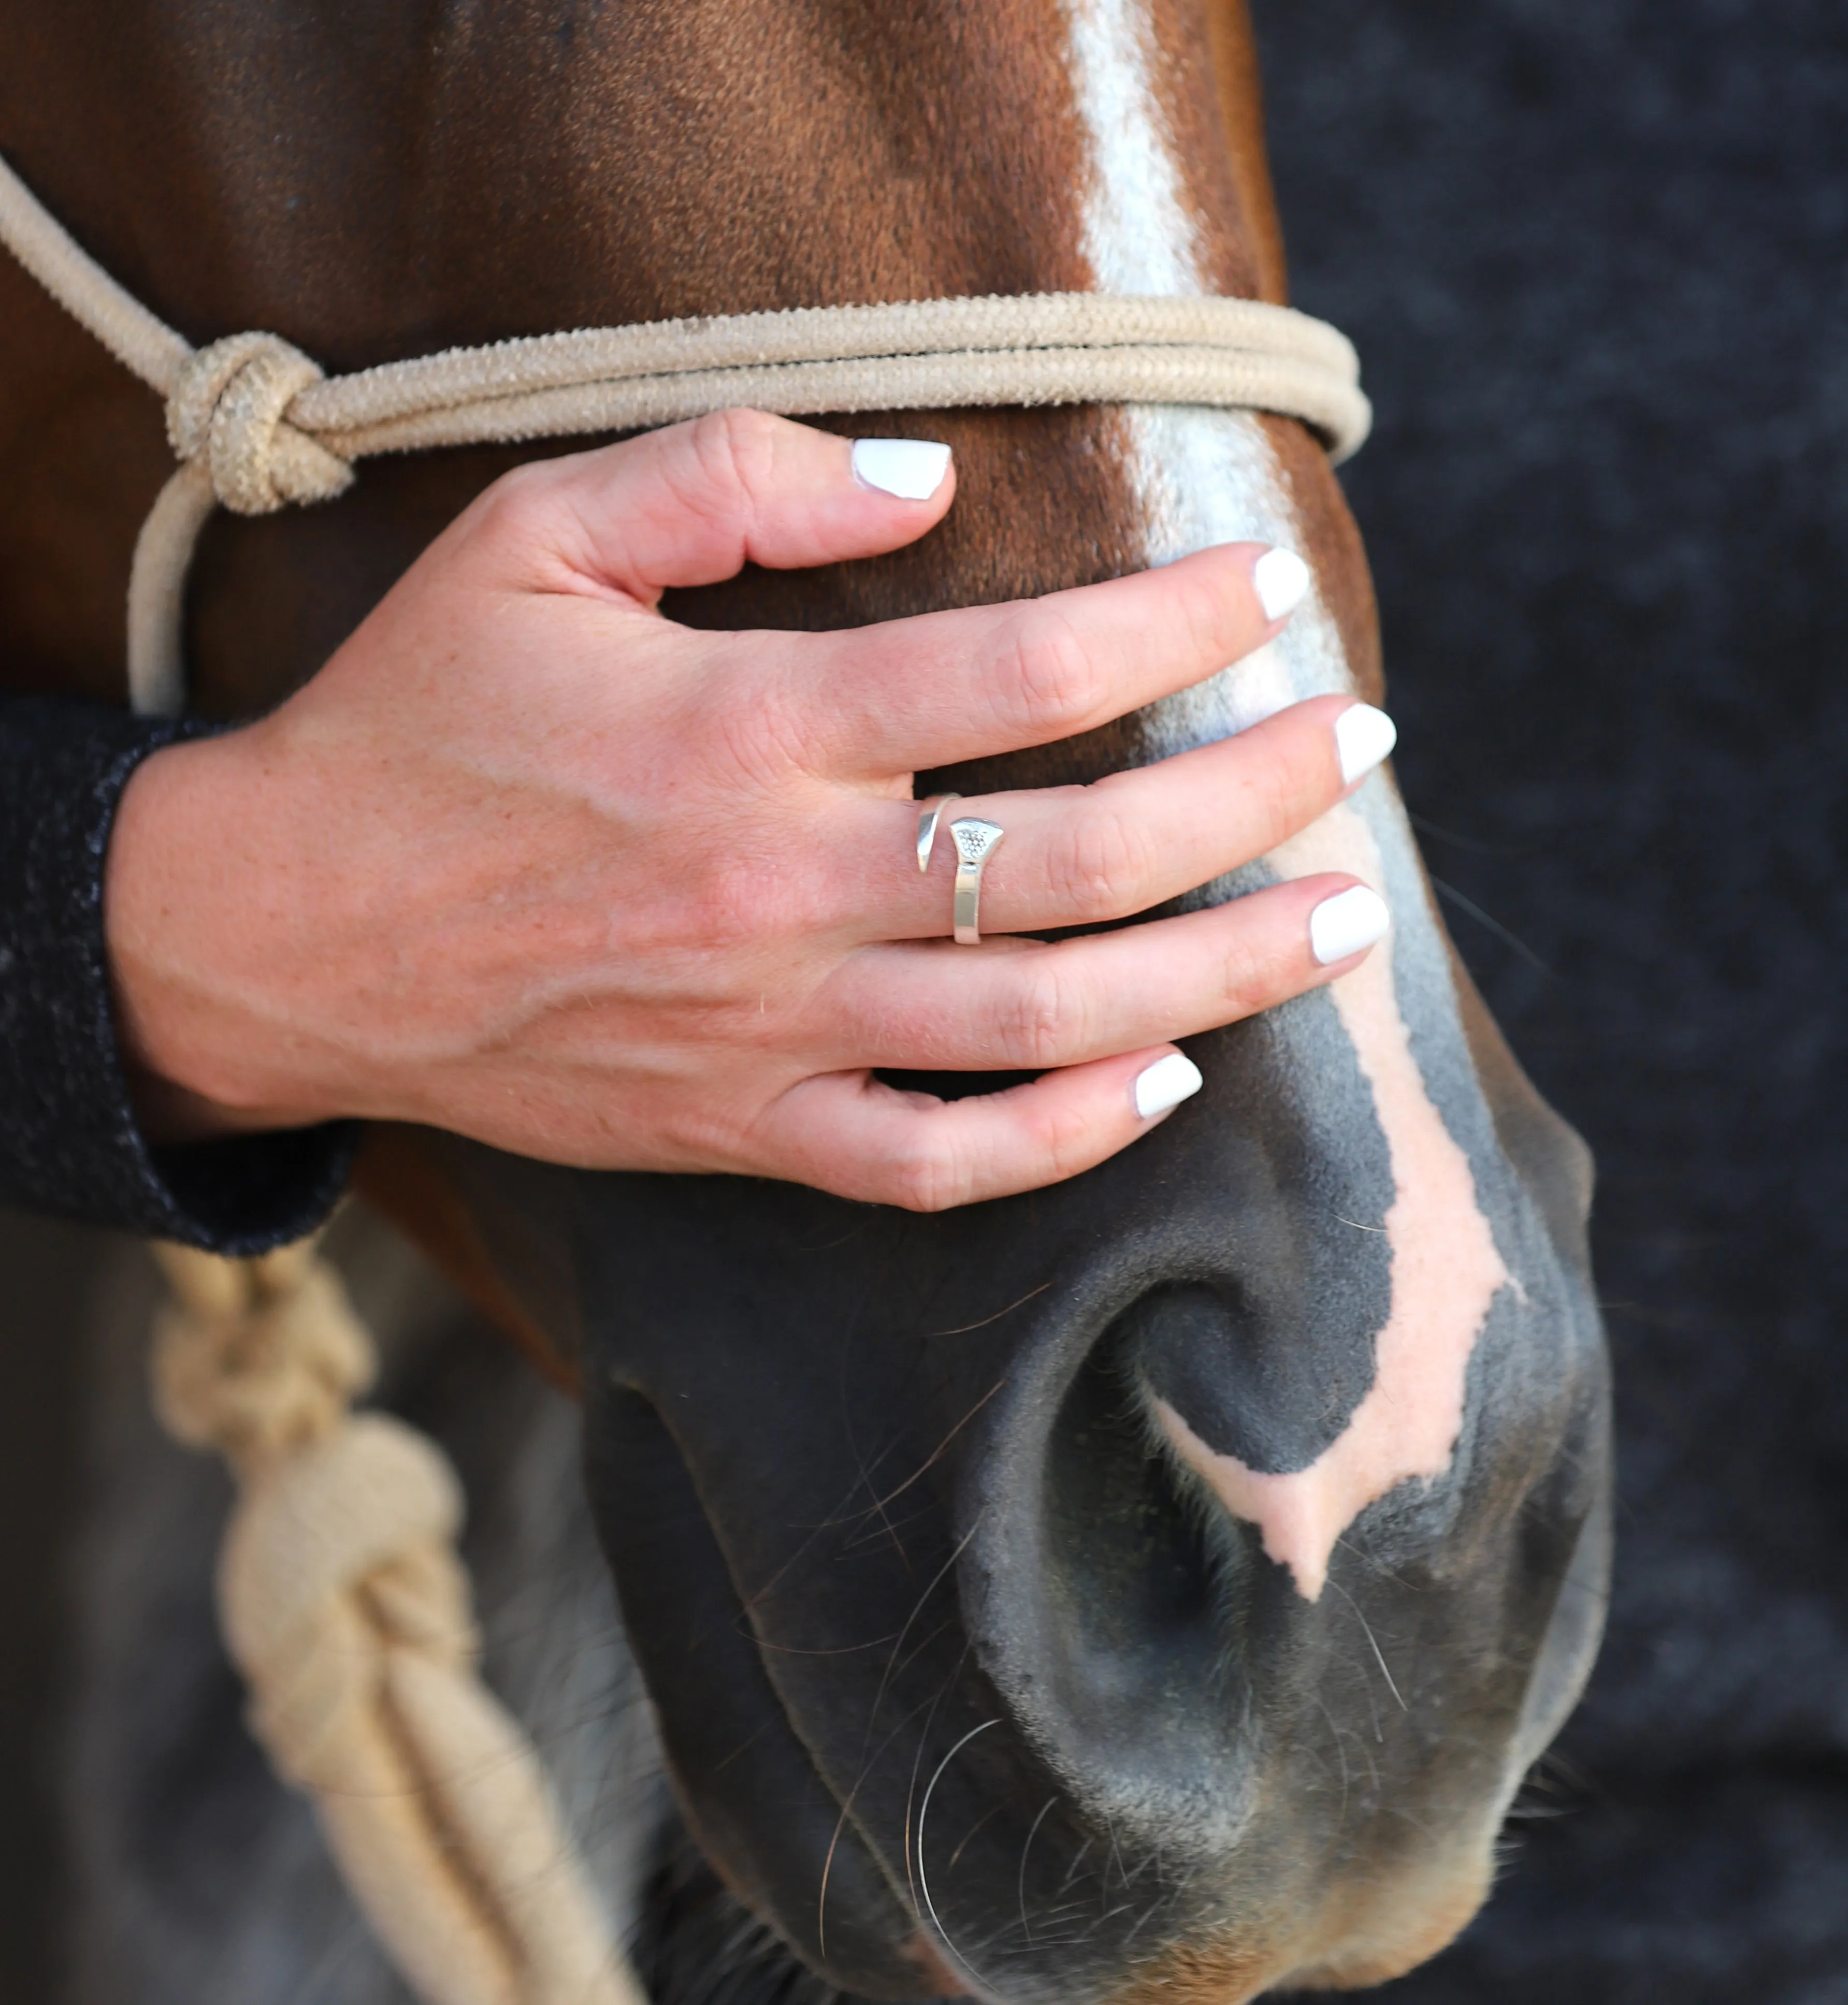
point(340, 1593)
point(346, 1608)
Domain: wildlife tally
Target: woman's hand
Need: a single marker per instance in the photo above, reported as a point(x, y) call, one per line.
point(528, 862)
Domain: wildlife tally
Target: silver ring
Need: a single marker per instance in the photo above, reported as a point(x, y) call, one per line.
point(975, 841)
point(928, 812)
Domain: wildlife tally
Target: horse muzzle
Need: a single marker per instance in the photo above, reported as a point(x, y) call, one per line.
point(969, 1682)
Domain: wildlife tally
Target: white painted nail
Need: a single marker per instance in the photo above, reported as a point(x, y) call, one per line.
point(1347, 922)
point(1282, 579)
point(1166, 1083)
point(911, 469)
point(1363, 737)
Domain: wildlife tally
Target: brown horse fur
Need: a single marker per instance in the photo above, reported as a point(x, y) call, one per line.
point(376, 182)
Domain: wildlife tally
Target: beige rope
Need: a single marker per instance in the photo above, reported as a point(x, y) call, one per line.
point(346, 1608)
point(256, 426)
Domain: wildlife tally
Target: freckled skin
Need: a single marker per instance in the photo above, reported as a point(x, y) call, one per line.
point(871, 1483)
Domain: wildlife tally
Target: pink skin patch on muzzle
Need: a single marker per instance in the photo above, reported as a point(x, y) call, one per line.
point(1445, 1272)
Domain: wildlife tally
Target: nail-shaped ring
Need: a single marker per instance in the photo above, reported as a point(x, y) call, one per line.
point(928, 812)
point(975, 840)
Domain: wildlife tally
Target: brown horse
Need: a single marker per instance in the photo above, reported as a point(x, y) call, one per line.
point(1161, 1581)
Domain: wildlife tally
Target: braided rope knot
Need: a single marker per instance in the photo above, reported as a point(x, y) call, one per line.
point(255, 1358)
point(229, 411)
point(346, 1606)
point(340, 1558)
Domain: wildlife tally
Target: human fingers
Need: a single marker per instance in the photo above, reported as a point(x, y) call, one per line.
point(691, 504)
point(849, 1133)
point(1086, 856)
point(1022, 1005)
point(942, 687)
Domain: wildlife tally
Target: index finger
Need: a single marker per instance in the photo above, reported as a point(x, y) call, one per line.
point(942, 687)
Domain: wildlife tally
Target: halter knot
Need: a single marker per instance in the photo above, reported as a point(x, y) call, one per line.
point(229, 412)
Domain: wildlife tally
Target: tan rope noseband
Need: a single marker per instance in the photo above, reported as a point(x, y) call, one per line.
point(256, 425)
point(339, 1590)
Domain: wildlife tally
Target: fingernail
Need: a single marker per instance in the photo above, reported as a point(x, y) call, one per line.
point(1347, 922)
point(1280, 578)
point(1166, 1083)
point(911, 469)
point(1363, 737)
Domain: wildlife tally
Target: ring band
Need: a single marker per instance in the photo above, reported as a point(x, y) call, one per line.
point(975, 841)
point(928, 812)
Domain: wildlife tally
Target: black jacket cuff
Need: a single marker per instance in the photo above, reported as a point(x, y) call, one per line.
point(68, 1138)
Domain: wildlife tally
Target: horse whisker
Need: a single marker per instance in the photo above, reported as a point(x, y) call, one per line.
point(911, 1794)
point(1366, 1630)
point(943, 1445)
point(923, 1812)
point(1027, 1927)
point(964, 1329)
point(891, 1668)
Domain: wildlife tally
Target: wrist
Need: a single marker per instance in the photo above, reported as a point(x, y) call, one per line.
point(184, 922)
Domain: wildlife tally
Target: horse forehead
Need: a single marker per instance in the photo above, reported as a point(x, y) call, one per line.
point(1197, 477)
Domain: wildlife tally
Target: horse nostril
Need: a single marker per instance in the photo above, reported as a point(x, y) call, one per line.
point(1141, 1580)
point(1112, 1614)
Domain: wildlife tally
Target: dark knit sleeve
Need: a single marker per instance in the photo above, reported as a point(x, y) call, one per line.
point(68, 1138)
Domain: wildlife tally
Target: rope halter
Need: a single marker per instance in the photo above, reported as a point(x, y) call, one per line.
point(257, 425)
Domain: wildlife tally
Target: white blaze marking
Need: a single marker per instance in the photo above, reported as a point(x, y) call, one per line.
point(1138, 234)
point(1207, 477)
point(1445, 1272)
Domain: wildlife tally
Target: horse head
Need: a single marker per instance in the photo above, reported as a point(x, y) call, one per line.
point(1160, 1580)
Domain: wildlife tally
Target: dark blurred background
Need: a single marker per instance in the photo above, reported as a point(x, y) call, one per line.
point(43, 1268)
point(1596, 260)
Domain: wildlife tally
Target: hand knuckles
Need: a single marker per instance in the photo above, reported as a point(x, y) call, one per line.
point(735, 453)
point(707, 467)
point(1100, 865)
point(518, 509)
point(1053, 679)
point(930, 1175)
point(1067, 1141)
point(1041, 1018)
point(1250, 977)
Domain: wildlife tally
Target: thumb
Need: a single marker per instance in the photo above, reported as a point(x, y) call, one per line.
point(691, 504)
